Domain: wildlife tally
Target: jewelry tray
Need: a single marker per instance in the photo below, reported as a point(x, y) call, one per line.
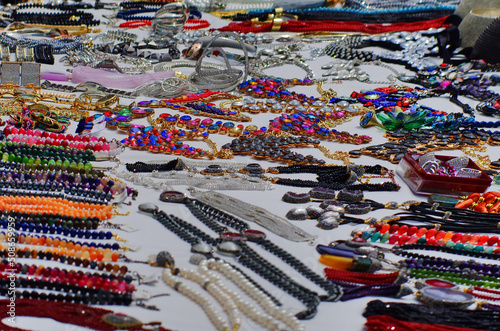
point(421, 182)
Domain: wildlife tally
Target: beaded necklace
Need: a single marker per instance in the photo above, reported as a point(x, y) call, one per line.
point(96, 145)
point(63, 16)
point(55, 206)
point(168, 122)
point(245, 254)
point(401, 235)
point(105, 280)
point(209, 110)
point(204, 213)
point(408, 48)
point(408, 316)
point(405, 14)
point(156, 140)
point(64, 256)
point(315, 124)
point(75, 313)
point(230, 300)
point(328, 25)
point(275, 89)
point(336, 177)
point(23, 224)
point(423, 141)
point(274, 148)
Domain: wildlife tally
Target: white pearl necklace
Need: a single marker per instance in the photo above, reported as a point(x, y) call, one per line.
point(272, 313)
point(207, 306)
point(232, 303)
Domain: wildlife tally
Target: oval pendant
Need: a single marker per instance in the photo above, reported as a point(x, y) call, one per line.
point(314, 211)
point(434, 282)
point(445, 296)
point(328, 223)
point(148, 208)
point(228, 248)
point(254, 235)
point(121, 321)
point(202, 248)
point(297, 214)
point(232, 236)
point(173, 196)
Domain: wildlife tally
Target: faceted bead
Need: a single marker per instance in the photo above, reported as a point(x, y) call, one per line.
point(375, 236)
point(431, 242)
point(384, 238)
point(492, 241)
point(393, 229)
point(412, 240)
point(482, 239)
point(412, 230)
point(430, 233)
point(385, 228)
point(473, 240)
point(393, 239)
point(440, 234)
point(403, 230)
point(403, 239)
point(456, 237)
point(465, 238)
point(421, 232)
point(448, 236)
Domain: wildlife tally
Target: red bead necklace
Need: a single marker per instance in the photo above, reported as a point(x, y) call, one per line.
point(71, 313)
point(337, 26)
point(365, 278)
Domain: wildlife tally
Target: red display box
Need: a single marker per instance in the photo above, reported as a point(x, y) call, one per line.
point(421, 182)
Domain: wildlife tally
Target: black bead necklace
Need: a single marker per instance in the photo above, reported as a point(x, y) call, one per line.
point(211, 216)
point(68, 293)
point(139, 166)
point(245, 255)
point(335, 177)
point(448, 219)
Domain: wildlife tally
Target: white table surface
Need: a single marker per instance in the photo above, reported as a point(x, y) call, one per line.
point(179, 313)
